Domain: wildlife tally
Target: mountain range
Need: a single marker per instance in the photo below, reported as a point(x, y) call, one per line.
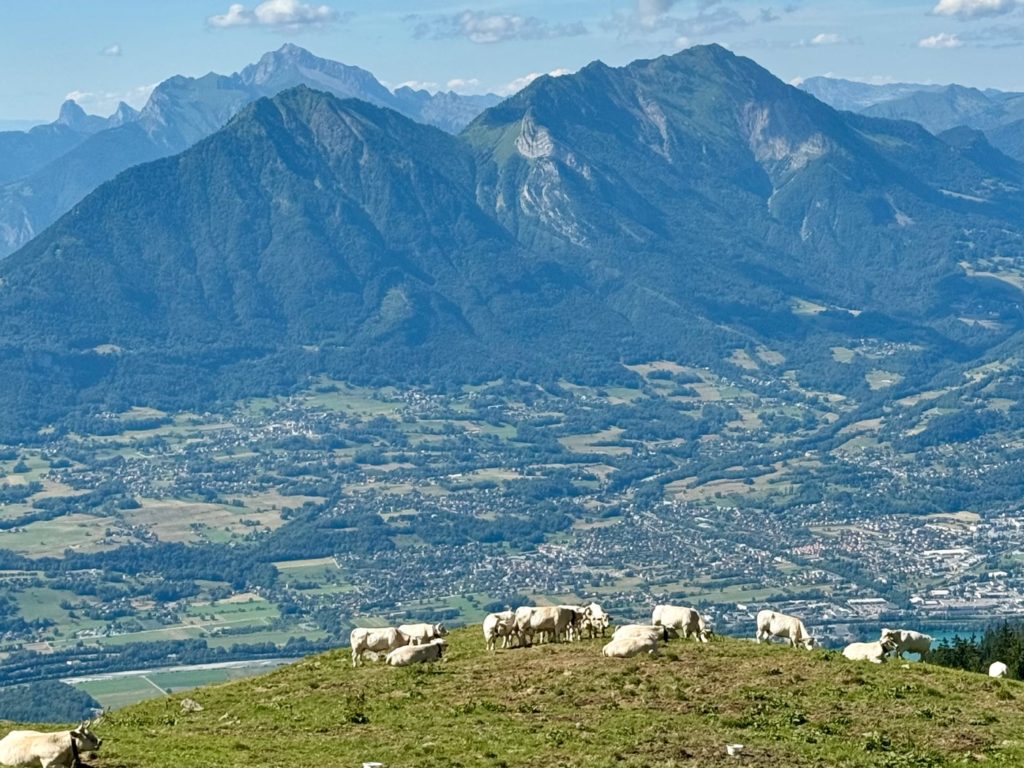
point(22, 153)
point(999, 114)
point(687, 208)
point(46, 170)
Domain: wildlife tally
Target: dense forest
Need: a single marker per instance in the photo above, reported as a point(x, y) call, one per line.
point(46, 701)
point(1002, 642)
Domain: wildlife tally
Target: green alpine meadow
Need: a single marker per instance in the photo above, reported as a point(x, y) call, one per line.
point(567, 705)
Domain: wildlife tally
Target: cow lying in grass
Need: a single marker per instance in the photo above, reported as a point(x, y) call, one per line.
point(874, 652)
point(416, 654)
point(35, 749)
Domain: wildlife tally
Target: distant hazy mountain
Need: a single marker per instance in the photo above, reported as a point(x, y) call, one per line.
point(447, 110)
point(853, 96)
point(56, 166)
point(681, 208)
point(1009, 139)
point(937, 107)
point(952, 106)
point(291, 66)
point(24, 152)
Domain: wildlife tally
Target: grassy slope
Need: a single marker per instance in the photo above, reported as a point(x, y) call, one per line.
point(569, 706)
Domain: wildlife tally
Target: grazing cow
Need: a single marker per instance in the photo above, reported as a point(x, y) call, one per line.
point(907, 641)
point(641, 630)
point(497, 625)
point(416, 654)
point(577, 617)
point(625, 647)
point(997, 669)
point(686, 622)
point(375, 640)
point(771, 624)
point(546, 622)
point(522, 623)
point(34, 749)
point(874, 652)
point(421, 634)
point(595, 620)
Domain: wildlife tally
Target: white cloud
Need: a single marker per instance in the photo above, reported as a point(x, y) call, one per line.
point(237, 16)
point(649, 11)
point(463, 85)
point(688, 21)
point(283, 14)
point(823, 39)
point(521, 82)
point(941, 40)
point(826, 38)
point(482, 27)
point(417, 85)
point(105, 103)
point(973, 9)
point(111, 50)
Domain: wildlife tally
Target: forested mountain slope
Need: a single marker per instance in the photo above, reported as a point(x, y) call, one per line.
point(83, 151)
point(679, 208)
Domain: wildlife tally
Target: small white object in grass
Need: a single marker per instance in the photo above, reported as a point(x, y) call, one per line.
point(373, 765)
point(733, 750)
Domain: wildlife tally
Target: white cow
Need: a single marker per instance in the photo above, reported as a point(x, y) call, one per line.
point(577, 617)
point(416, 654)
point(34, 749)
point(687, 622)
point(375, 640)
point(497, 625)
point(522, 623)
point(595, 620)
point(907, 641)
point(874, 652)
point(625, 647)
point(421, 634)
point(771, 624)
point(658, 633)
point(997, 669)
point(546, 622)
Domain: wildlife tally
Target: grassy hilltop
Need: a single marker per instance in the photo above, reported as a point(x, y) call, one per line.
point(566, 705)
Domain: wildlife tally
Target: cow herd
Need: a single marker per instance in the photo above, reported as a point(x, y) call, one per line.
point(894, 642)
point(532, 624)
point(402, 646)
point(529, 625)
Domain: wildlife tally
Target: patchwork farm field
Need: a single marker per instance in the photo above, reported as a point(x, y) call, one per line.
point(272, 522)
point(123, 689)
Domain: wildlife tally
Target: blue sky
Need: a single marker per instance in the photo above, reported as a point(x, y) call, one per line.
point(103, 51)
